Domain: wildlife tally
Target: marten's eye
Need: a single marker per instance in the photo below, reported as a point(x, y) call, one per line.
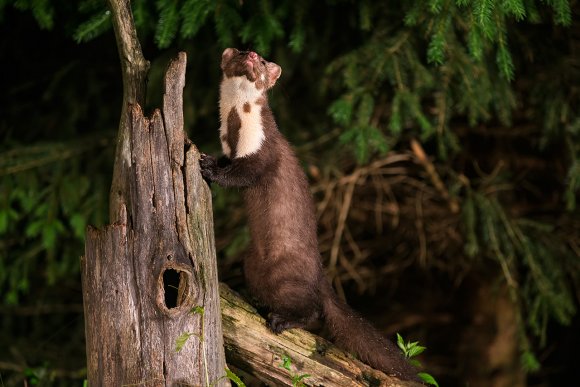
point(264, 62)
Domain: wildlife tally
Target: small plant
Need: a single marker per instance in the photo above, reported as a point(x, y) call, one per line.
point(182, 339)
point(296, 379)
point(234, 378)
point(412, 349)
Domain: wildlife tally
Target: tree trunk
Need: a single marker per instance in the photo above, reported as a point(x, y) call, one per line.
point(253, 348)
point(150, 284)
point(134, 71)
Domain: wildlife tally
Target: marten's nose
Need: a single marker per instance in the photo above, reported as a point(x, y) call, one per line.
point(252, 55)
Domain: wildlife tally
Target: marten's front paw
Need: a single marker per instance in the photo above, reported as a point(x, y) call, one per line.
point(208, 166)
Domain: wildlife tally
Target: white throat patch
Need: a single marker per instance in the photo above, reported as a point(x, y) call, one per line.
point(235, 92)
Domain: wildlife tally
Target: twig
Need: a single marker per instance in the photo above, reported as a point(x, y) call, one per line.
point(433, 175)
point(342, 219)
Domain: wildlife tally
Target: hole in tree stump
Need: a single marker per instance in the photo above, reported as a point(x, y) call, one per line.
point(176, 290)
point(175, 287)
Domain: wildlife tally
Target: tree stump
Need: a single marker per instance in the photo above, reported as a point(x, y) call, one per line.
point(150, 287)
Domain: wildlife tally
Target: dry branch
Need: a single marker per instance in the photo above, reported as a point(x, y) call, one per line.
point(253, 348)
point(380, 218)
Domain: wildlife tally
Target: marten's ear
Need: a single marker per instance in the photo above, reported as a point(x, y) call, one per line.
point(228, 54)
point(274, 72)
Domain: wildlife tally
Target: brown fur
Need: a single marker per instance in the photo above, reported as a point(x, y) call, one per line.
point(283, 268)
point(234, 125)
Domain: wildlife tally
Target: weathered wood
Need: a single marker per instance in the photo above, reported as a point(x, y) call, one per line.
point(134, 69)
point(143, 275)
point(252, 347)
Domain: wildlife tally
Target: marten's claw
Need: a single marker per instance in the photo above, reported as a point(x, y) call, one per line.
point(208, 166)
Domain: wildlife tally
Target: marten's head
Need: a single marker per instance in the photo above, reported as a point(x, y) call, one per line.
point(236, 63)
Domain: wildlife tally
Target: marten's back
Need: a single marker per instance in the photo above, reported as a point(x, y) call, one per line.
point(280, 208)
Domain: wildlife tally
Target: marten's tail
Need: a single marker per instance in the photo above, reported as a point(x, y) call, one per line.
point(353, 333)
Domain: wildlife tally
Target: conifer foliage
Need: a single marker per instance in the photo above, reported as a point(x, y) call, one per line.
point(489, 87)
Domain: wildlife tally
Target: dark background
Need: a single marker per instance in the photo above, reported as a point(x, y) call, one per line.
point(475, 252)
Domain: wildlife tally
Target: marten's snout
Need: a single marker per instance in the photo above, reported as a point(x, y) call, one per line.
point(251, 58)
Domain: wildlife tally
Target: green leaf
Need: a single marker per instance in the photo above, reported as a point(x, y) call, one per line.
point(32, 376)
point(341, 111)
point(428, 379)
point(435, 6)
point(297, 37)
point(227, 19)
point(194, 13)
point(529, 362)
point(43, 13)
point(401, 343)
point(79, 224)
point(182, 339)
point(33, 228)
point(416, 350)
point(297, 379)
point(234, 378)
point(3, 221)
point(262, 28)
point(141, 14)
point(563, 14)
point(49, 233)
point(412, 16)
point(23, 284)
point(286, 362)
point(475, 43)
point(396, 122)
point(436, 50)
point(365, 16)
point(361, 143)
point(168, 24)
point(197, 310)
point(504, 62)
point(515, 8)
point(93, 27)
point(365, 109)
point(377, 140)
point(483, 10)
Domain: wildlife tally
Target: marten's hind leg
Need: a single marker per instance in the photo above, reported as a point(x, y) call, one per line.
point(298, 307)
point(279, 323)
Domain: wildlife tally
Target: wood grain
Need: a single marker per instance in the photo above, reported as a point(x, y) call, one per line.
point(253, 348)
point(135, 311)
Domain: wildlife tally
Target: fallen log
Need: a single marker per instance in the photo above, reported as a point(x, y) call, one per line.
point(295, 355)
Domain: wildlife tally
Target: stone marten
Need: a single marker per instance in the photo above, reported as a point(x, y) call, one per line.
point(283, 269)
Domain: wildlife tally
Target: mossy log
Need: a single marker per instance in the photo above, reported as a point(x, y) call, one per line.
point(253, 348)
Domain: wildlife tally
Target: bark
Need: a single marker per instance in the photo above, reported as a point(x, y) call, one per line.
point(150, 279)
point(134, 71)
point(253, 348)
